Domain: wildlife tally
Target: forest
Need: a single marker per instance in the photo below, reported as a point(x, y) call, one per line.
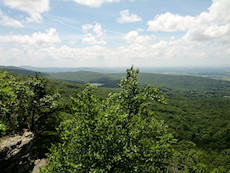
point(140, 122)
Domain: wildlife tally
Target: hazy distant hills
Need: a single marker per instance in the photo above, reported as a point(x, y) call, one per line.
point(192, 84)
point(18, 70)
point(174, 82)
point(73, 69)
point(222, 73)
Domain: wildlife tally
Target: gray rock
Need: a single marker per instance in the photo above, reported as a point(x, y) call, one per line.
point(15, 153)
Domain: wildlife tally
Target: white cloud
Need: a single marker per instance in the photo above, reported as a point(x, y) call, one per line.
point(176, 52)
point(169, 22)
point(63, 56)
point(81, 54)
point(134, 37)
point(213, 24)
point(180, 52)
point(7, 21)
point(94, 3)
point(96, 35)
point(126, 17)
point(219, 33)
point(33, 7)
point(218, 13)
point(91, 39)
point(98, 30)
point(86, 27)
point(37, 39)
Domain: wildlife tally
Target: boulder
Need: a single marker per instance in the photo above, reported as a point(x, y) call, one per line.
point(15, 153)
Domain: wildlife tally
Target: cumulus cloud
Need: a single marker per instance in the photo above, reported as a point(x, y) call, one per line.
point(94, 3)
point(180, 52)
point(219, 33)
point(93, 34)
point(38, 39)
point(169, 22)
point(7, 21)
point(134, 37)
point(33, 7)
point(211, 24)
point(126, 17)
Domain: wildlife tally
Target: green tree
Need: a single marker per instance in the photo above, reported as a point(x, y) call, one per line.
point(8, 99)
point(25, 103)
point(115, 135)
point(42, 102)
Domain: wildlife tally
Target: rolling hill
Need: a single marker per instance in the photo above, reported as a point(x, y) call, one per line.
point(169, 82)
point(192, 84)
point(21, 70)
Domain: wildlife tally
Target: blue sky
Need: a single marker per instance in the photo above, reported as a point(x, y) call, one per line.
point(90, 33)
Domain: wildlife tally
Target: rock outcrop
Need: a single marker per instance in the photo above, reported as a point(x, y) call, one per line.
point(15, 153)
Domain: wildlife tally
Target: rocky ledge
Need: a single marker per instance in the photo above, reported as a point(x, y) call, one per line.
point(15, 153)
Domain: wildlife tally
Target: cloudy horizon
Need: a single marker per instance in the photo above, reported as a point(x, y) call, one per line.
point(96, 33)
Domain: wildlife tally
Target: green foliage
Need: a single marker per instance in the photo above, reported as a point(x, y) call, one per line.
point(8, 98)
point(25, 103)
point(223, 159)
point(3, 129)
point(188, 158)
point(220, 169)
point(118, 134)
point(43, 103)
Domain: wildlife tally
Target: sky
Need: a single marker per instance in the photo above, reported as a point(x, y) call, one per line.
point(115, 33)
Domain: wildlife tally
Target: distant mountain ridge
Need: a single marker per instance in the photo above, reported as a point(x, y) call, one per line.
point(222, 73)
point(73, 69)
point(175, 82)
point(192, 84)
point(18, 70)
